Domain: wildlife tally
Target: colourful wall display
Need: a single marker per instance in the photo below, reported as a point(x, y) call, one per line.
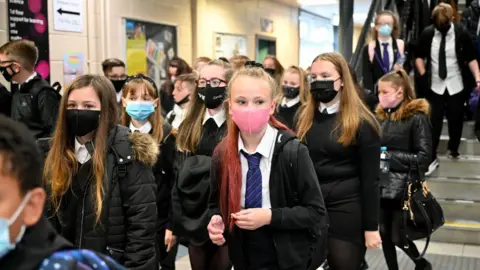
point(72, 66)
point(150, 47)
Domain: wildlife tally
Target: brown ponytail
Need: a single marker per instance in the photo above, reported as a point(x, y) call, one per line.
point(400, 79)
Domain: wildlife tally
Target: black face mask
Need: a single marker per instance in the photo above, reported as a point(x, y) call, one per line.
point(212, 97)
point(270, 71)
point(443, 28)
point(118, 84)
point(8, 77)
point(291, 92)
point(82, 122)
point(183, 101)
point(323, 91)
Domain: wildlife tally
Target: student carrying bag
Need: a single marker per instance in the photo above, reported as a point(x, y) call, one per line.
point(318, 252)
point(422, 214)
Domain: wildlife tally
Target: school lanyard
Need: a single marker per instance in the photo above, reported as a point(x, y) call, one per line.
point(382, 65)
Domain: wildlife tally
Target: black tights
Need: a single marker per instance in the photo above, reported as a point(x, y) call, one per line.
point(208, 257)
point(344, 255)
point(390, 231)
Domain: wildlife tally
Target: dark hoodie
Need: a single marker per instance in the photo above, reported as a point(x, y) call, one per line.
point(406, 132)
point(294, 227)
point(39, 242)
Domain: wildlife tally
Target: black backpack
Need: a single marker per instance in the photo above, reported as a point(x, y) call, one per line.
point(318, 252)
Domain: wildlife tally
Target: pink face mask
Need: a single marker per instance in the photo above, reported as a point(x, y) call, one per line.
point(251, 121)
point(389, 101)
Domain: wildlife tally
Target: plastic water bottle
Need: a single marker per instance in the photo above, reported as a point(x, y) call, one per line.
point(401, 60)
point(384, 160)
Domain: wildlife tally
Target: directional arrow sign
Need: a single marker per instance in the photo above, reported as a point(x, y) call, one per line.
point(61, 11)
point(68, 16)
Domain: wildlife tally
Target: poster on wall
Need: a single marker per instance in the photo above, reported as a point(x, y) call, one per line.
point(228, 45)
point(29, 20)
point(72, 66)
point(150, 48)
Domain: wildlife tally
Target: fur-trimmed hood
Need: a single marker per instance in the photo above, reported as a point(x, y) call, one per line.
point(136, 146)
point(405, 111)
point(144, 148)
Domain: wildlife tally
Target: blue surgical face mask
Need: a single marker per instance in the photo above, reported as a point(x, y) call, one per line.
point(5, 245)
point(385, 30)
point(140, 110)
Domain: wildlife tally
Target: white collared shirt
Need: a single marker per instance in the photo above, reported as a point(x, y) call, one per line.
point(290, 102)
point(146, 128)
point(334, 108)
point(81, 152)
point(391, 56)
point(179, 115)
point(264, 148)
point(119, 96)
point(453, 83)
point(219, 118)
point(28, 79)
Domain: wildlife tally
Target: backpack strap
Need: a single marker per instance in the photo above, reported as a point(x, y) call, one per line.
point(167, 129)
point(292, 149)
point(119, 175)
point(57, 87)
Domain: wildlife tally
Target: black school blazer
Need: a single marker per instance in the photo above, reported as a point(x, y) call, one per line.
point(464, 50)
point(291, 227)
point(372, 71)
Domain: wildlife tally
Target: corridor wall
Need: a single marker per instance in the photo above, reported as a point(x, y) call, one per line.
point(103, 34)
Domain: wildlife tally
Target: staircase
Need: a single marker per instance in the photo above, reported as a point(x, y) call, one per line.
point(456, 185)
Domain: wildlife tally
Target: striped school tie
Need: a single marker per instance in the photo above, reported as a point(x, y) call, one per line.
point(253, 193)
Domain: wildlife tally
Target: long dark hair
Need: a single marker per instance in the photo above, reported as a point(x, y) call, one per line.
point(61, 162)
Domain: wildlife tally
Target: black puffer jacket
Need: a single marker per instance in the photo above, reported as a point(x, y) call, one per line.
point(128, 221)
point(406, 132)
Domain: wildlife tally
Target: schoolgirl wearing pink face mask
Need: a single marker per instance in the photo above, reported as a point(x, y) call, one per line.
point(265, 198)
point(406, 133)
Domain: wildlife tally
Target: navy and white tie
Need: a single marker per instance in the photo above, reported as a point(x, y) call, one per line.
point(253, 192)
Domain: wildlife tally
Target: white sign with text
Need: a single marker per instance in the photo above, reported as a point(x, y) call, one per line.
point(68, 15)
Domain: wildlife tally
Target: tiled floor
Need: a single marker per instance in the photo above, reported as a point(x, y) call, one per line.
point(442, 255)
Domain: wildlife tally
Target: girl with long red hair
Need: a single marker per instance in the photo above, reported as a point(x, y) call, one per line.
point(265, 195)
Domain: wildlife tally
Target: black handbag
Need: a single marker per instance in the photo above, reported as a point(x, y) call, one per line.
point(422, 214)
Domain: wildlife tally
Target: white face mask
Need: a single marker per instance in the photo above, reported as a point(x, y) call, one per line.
point(5, 245)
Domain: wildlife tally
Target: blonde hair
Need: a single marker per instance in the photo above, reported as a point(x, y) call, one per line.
point(190, 130)
point(257, 73)
point(201, 59)
point(304, 86)
point(238, 61)
point(156, 118)
point(400, 79)
point(190, 79)
point(443, 13)
point(352, 109)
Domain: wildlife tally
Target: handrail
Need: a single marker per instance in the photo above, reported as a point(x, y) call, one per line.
point(363, 36)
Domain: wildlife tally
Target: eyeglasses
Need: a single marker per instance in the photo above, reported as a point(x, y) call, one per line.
point(143, 77)
point(213, 82)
